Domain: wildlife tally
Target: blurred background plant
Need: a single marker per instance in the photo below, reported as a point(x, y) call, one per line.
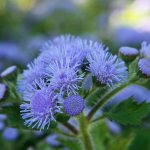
point(25, 25)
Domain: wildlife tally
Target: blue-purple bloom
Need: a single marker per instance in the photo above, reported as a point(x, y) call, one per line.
point(10, 134)
point(144, 66)
point(30, 76)
point(74, 105)
point(58, 64)
point(64, 77)
point(145, 50)
point(128, 51)
point(40, 109)
point(64, 46)
point(52, 75)
point(108, 69)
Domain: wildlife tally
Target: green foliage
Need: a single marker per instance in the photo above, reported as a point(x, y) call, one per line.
point(13, 114)
point(95, 95)
point(63, 118)
point(71, 143)
point(129, 112)
point(44, 146)
point(121, 143)
point(133, 68)
point(141, 140)
point(99, 135)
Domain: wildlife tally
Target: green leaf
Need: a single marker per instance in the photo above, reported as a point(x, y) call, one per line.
point(99, 134)
point(144, 82)
point(11, 93)
point(13, 114)
point(122, 143)
point(44, 146)
point(95, 95)
point(62, 117)
point(141, 140)
point(133, 68)
point(71, 143)
point(129, 112)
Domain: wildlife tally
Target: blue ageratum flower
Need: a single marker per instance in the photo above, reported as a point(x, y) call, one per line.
point(60, 40)
point(64, 77)
point(34, 73)
point(108, 69)
point(145, 50)
point(39, 110)
point(144, 66)
point(63, 46)
point(74, 105)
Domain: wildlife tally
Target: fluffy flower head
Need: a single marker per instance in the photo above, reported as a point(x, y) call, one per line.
point(64, 77)
point(144, 66)
point(64, 46)
point(108, 69)
point(40, 109)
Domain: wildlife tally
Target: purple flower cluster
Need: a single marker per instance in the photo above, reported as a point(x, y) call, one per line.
point(54, 78)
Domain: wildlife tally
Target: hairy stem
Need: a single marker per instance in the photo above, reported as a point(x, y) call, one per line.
point(70, 128)
point(84, 133)
point(107, 96)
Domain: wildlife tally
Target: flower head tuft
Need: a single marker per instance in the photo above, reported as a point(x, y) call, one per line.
point(107, 68)
point(74, 105)
point(40, 109)
point(64, 76)
point(64, 46)
point(30, 76)
point(144, 66)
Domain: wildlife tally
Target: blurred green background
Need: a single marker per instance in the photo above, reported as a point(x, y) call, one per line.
point(26, 24)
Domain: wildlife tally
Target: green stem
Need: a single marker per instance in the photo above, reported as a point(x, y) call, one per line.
point(63, 133)
point(107, 96)
point(70, 128)
point(98, 118)
point(84, 133)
